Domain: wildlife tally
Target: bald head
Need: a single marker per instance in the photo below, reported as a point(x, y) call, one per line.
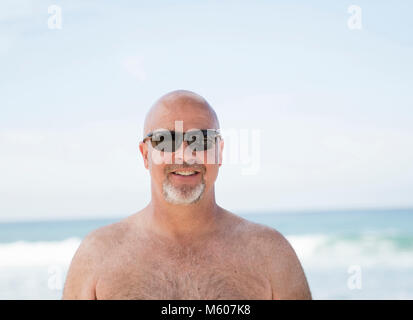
point(180, 105)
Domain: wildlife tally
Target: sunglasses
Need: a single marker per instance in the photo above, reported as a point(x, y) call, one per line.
point(169, 141)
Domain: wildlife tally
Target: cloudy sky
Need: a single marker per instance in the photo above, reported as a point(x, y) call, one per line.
point(333, 105)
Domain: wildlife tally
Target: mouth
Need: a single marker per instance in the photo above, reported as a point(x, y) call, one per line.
point(185, 175)
point(185, 172)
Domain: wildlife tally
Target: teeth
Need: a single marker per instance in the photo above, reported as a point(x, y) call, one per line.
point(185, 173)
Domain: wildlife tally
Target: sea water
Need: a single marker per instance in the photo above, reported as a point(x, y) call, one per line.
point(354, 254)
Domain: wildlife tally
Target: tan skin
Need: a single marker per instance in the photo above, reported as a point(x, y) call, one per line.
point(192, 251)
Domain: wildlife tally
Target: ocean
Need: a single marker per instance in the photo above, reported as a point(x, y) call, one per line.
point(348, 254)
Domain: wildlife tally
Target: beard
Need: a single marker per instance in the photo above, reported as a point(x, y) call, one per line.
point(184, 194)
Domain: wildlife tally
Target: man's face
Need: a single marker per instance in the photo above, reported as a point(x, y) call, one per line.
point(183, 176)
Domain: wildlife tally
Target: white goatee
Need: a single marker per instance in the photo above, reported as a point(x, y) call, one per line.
point(184, 194)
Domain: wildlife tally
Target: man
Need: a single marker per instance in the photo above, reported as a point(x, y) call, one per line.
point(183, 245)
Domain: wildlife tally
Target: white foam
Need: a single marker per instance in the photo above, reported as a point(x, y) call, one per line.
point(42, 253)
point(369, 250)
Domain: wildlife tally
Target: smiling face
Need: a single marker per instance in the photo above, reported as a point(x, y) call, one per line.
point(182, 177)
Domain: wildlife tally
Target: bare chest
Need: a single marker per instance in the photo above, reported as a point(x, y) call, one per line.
point(182, 274)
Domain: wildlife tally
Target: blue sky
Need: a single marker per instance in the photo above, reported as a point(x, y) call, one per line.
point(334, 106)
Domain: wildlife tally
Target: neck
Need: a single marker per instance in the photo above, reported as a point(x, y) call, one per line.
point(183, 222)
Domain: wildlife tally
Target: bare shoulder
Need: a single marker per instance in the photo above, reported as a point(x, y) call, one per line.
point(276, 254)
point(99, 241)
point(94, 248)
point(253, 231)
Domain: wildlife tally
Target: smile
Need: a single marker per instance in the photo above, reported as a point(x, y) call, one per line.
point(185, 173)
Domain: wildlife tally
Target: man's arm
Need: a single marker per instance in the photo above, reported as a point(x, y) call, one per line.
point(288, 281)
point(81, 280)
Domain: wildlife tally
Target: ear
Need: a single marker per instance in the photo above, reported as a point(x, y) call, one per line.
point(143, 148)
point(221, 149)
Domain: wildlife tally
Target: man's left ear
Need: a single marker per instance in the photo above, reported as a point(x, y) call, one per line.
point(221, 149)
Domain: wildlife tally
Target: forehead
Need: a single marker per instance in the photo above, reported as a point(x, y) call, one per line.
point(181, 117)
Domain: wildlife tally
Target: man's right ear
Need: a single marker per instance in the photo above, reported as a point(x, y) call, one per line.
point(143, 147)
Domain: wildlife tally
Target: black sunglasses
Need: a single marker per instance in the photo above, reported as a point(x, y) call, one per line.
point(169, 140)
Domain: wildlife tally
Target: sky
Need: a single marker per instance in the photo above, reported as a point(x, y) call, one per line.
point(332, 105)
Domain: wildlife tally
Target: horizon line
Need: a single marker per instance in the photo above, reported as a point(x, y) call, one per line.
point(240, 213)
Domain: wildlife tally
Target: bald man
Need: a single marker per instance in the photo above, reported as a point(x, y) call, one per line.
point(183, 245)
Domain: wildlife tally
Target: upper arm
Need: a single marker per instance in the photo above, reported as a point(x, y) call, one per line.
point(80, 280)
point(287, 277)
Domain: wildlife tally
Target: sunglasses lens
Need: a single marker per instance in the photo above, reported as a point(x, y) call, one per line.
point(199, 140)
point(165, 141)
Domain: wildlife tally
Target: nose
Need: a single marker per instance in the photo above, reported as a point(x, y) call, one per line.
point(184, 154)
